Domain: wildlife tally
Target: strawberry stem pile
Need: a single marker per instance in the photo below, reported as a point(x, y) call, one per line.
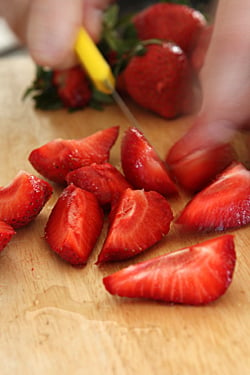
point(155, 55)
point(136, 202)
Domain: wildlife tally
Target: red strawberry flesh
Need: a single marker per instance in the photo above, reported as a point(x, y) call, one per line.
point(57, 158)
point(195, 275)
point(193, 172)
point(22, 200)
point(74, 225)
point(222, 205)
point(142, 166)
point(103, 180)
point(140, 219)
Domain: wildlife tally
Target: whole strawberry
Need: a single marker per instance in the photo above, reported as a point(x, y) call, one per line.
point(161, 80)
point(73, 87)
point(170, 22)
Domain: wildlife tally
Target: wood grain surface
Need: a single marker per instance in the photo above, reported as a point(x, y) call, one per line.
point(57, 319)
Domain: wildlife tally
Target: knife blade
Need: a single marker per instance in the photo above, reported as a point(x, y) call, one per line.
point(100, 72)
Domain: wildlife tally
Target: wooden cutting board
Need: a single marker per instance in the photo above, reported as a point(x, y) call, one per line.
point(57, 319)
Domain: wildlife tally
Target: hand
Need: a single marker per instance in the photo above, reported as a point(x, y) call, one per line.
point(49, 27)
point(225, 80)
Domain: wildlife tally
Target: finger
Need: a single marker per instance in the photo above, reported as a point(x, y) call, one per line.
point(225, 78)
point(92, 16)
point(225, 81)
point(52, 29)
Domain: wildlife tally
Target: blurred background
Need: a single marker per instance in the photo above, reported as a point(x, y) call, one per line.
point(9, 44)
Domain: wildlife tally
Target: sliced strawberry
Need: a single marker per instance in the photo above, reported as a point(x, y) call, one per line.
point(194, 275)
point(222, 205)
point(74, 225)
point(140, 220)
point(6, 233)
point(57, 158)
point(72, 86)
point(22, 200)
point(198, 169)
point(103, 180)
point(141, 165)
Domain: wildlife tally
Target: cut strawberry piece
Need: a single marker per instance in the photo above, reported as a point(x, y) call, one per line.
point(6, 233)
point(139, 221)
point(222, 205)
point(74, 225)
point(171, 22)
point(103, 180)
point(22, 200)
point(73, 87)
point(57, 158)
point(141, 165)
point(198, 169)
point(195, 275)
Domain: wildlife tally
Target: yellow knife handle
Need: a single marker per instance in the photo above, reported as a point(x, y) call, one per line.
point(94, 63)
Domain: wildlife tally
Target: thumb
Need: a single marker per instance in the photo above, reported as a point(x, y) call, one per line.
point(225, 82)
point(51, 31)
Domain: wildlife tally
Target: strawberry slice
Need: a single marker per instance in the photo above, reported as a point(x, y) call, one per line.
point(141, 165)
point(57, 158)
point(74, 225)
point(103, 180)
point(195, 171)
point(139, 221)
point(222, 205)
point(6, 233)
point(22, 200)
point(194, 275)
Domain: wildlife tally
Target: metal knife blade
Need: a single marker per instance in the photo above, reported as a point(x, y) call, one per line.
point(100, 72)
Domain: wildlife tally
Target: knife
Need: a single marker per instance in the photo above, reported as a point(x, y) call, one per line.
point(99, 71)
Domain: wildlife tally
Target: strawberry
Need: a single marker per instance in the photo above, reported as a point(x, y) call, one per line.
point(170, 22)
point(72, 86)
point(194, 275)
point(141, 165)
point(200, 49)
point(222, 205)
point(103, 180)
point(74, 225)
point(139, 221)
point(6, 233)
point(22, 200)
point(193, 172)
point(160, 80)
point(57, 158)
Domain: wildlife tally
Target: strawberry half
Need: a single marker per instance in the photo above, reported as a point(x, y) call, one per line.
point(141, 165)
point(6, 233)
point(74, 225)
point(22, 200)
point(195, 171)
point(223, 205)
point(194, 275)
point(140, 219)
point(103, 180)
point(73, 87)
point(170, 22)
point(57, 158)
